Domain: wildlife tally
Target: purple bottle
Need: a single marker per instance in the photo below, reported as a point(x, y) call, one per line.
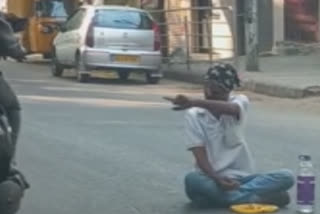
point(305, 185)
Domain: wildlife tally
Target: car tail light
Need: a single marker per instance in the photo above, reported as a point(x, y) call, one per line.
point(157, 37)
point(90, 36)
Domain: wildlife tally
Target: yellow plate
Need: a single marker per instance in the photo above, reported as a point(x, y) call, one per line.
point(105, 74)
point(126, 59)
point(254, 208)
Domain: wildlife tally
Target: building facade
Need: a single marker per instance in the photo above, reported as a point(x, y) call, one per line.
point(296, 20)
point(278, 21)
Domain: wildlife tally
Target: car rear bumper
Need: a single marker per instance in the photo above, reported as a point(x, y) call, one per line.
point(109, 59)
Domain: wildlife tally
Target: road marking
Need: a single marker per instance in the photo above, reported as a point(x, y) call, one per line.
point(93, 101)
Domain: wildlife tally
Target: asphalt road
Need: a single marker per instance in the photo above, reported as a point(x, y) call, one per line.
point(116, 147)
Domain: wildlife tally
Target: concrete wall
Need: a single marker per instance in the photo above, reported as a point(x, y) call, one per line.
point(176, 32)
point(222, 29)
point(132, 3)
point(265, 11)
point(265, 23)
point(278, 21)
point(271, 26)
point(3, 5)
point(222, 40)
point(98, 2)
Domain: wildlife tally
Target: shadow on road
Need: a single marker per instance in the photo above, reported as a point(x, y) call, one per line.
point(103, 81)
point(38, 62)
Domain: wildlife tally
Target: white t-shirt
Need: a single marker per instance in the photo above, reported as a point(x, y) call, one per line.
point(222, 138)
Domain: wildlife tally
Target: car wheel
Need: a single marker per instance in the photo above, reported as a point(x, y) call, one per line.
point(152, 80)
point(123, 75)
point(82, 77)
point(56, 68)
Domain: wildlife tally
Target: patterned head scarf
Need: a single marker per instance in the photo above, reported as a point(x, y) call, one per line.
point(224, 75)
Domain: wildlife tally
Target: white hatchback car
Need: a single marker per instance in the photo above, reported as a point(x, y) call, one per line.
point(118, 38)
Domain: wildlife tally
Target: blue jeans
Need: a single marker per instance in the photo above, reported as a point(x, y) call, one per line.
point(204, 191)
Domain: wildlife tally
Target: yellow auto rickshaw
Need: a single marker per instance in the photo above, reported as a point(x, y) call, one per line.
point(43, 18)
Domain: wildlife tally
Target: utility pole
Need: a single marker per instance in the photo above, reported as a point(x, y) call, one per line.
point(252, 59)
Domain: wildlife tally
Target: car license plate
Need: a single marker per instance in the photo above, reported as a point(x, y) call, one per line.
point(127, 59)
point(105, 74)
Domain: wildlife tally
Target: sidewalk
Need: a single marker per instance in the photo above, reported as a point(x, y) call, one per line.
point(280, 76)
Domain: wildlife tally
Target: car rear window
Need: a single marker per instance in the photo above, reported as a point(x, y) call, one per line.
point(122, 19)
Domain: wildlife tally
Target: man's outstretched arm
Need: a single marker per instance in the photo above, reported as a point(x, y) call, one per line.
point(216, 107)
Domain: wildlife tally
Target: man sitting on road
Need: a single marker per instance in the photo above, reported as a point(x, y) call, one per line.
point(224, 172)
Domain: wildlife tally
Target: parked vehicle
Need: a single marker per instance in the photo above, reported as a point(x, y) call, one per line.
point(119, 38)
point(42, 19)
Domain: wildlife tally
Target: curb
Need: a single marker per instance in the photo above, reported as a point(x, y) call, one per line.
point(275, 90)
